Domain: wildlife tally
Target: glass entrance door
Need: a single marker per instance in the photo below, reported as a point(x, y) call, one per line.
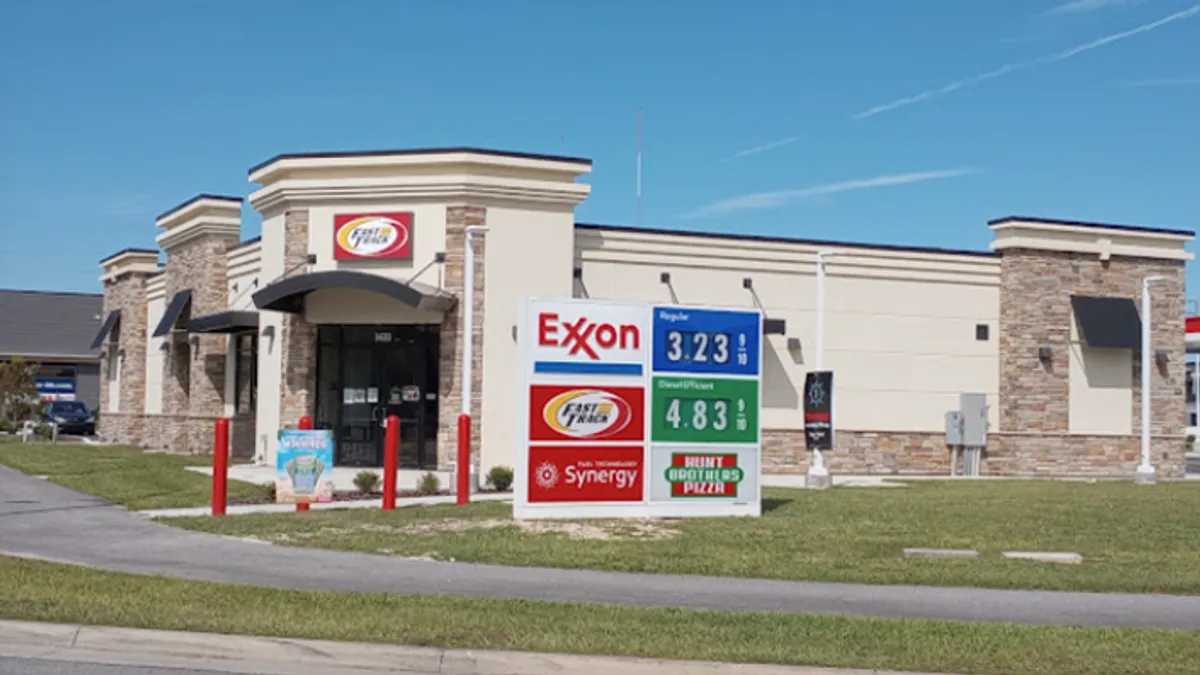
point(365, 374)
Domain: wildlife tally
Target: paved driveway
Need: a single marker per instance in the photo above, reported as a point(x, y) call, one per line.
point(40, 519)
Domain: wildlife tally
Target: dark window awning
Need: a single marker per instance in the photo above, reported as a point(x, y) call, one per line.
point(1104, 322)
point(774, 326)
point(224, 322)
point(287, 295)
point(111, 322)
point(180, 304)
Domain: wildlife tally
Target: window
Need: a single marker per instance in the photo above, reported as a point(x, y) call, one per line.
point(245, 393)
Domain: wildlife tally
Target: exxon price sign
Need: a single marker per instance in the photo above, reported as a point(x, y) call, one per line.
point(632, 409)
point(588, 338)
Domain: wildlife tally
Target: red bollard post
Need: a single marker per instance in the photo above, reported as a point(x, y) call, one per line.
point(305, 423)
point(391, 462)
point(220, 466)
point(464, 459)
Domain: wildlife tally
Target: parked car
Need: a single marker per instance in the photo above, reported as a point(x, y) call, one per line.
point(72, 417)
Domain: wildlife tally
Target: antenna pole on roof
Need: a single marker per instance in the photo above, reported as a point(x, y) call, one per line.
point(638, 218)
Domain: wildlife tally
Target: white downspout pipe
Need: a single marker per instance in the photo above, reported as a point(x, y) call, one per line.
point(1145, 472)
point(468, 322)
point(817, 468)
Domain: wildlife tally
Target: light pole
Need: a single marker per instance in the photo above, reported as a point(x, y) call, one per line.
point(818, 475)
point(463, 465)
point(1145, 472)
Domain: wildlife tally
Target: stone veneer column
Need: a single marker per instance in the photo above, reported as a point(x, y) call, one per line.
point(298, 338)
point(458, 218)
point(1035, 311)
point(197, 237)
point(201, 266)
point(126, 292)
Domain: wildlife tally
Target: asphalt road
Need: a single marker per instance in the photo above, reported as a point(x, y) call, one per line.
point(40, 519)
point(1193, 465)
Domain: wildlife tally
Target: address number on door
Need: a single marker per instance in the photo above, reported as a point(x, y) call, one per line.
point(383, 337)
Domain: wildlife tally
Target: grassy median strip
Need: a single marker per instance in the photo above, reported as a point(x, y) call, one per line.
point(1133, 538)
point(127, 476)
point(42, 591)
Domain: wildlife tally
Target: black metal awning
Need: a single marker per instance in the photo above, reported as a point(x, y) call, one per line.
point(1106, 322)
point(111, 322)
point(224, 322)
point(287, 295)
point(180, 304)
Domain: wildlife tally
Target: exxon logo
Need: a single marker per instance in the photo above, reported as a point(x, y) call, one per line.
point(584, 336)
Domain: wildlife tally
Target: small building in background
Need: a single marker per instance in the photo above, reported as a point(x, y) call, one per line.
point(55, 331)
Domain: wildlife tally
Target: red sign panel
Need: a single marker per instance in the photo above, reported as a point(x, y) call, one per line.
point(565, 413)
point(372, 236)
point(572, 473)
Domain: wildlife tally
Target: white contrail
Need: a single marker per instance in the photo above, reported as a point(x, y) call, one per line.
point(1004, 70)
point(764, 147)
point(1078, 6)
point(768, 200)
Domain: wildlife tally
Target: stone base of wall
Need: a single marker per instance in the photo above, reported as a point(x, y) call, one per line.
point(121, 428)
point(864, 453)
point(874, 453)
point(1011, 454)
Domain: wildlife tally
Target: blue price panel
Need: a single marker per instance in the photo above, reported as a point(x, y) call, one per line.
point(708, 341)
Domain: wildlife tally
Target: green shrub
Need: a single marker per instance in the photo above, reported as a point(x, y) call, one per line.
point(429, 485)
point(366, 481)
point(268, 491)
point(501, 478)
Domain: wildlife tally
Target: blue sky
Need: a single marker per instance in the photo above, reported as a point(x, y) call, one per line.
point(865, 120)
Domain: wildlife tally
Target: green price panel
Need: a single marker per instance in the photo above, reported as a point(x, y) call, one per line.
point(703, 410)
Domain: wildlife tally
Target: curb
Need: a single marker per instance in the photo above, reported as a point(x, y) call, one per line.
point(156, 648)
point(246, 509)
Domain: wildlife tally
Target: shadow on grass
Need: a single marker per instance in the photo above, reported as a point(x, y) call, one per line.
point(771, 503)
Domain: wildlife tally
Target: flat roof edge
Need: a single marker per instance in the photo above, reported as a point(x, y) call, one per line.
point(200, 197)
point(898, 248)
point(1090, 224)
point(333, 154)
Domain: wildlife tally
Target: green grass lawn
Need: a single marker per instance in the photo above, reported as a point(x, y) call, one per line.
point(41, 591)
point(1133, 538)
point(127, 476)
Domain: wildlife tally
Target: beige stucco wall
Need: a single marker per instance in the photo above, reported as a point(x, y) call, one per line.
point(270, 325)
point(900, 325)
point(155, 306)
point(428, 238)
point(1100, 394)
point(529, 252)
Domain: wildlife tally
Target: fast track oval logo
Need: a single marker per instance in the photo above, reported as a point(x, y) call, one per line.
point(591, 414)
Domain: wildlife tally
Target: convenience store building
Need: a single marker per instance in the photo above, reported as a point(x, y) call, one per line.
point(348, 309)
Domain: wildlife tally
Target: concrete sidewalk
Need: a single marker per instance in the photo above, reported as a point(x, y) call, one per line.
point(261, 655)
point(244, 509)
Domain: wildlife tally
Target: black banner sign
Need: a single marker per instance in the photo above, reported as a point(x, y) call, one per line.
point(818, 410)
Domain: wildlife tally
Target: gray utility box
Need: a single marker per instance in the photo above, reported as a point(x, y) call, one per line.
point(974, 411)
point(954, 428)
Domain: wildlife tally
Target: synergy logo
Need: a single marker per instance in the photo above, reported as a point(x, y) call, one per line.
point(585, 474)
point(575, 413)
point(587, 413)
point(381, 235)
